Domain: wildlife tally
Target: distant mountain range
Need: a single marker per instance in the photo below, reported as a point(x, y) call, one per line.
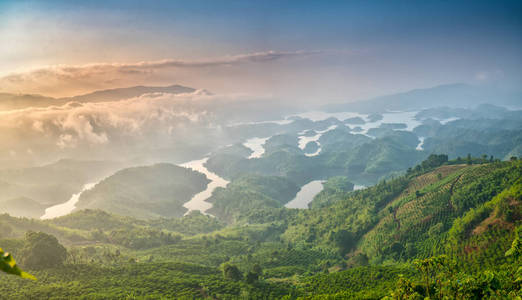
point(130, 92)
point(453, 95)
point(19, 101)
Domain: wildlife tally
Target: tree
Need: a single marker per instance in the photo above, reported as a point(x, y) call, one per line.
point(516, 245)
point(251, 277)
point(42, 250)
point(232, 272)
point(257, 269)
point(343, 239)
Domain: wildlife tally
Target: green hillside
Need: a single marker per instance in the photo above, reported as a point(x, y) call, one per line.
point(145, 192)
point(446, 229)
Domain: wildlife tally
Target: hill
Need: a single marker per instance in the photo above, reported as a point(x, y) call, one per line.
point(442, 95)
point(129, 92)
point(145, 192)
point(463, 219)
point(40, 187)
point(19, 101)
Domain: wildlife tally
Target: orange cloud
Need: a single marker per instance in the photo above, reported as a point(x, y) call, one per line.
point(61, 80)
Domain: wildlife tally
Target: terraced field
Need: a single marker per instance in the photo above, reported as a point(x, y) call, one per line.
point(416, 222)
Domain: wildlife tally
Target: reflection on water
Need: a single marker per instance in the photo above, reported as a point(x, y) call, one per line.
point(198, 201)
point(66, 207)
point(306, 194)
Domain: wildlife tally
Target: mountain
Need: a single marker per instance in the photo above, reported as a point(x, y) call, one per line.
point(145, 192)
point(22, 207)
point(14, 101)
point(126, 93)
point(461, 218)
point(36, 188)
point(453, 95)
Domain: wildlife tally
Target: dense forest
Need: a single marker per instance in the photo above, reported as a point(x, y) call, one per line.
point(446, 229)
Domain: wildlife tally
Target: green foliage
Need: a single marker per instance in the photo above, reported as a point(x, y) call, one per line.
point(371, 282)
point(145, 192)
point(338, 184)
point(349, 245)
point(9, 266)
point(251, 192)
point(441, 279)
point(232, 272)
point(193, 223)
point(42, 250)
point(516, 247)
point(137, 281)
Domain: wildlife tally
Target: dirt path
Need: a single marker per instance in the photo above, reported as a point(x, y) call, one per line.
point(451, 192)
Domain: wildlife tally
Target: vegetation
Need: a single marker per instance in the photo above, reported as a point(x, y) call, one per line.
point(251, 192)
point(145, 192)
point(9, 266)
point(443, 230)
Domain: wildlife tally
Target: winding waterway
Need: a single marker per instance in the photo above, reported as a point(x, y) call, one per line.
point(306, 194)
point(256, 145)
point(421, 144)
point(66, 207)
point(198, 201)
point(303, 140)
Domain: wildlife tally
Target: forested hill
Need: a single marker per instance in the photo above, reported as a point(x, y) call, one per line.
point(444, 230)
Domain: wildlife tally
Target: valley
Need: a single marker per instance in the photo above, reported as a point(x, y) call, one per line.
point(238, 150)
point(317, 205)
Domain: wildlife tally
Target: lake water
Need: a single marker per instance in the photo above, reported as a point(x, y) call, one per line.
point(256, 145)
point(198, 201)
point(66, 207)
point(321, 115)
point(306, 194)
point(444, 121)
point(357, 187)
point(405, 117)
point(421, 143)
point(303, 140)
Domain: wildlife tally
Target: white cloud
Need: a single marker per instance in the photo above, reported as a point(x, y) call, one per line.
point(151, 118)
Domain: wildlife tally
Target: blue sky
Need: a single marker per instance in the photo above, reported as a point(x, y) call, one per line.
point(366, 48)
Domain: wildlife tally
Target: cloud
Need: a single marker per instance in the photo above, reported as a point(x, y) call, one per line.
point(52, 79)
point(156, 120)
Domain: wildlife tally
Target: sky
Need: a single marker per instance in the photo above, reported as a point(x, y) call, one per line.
point(322, 51)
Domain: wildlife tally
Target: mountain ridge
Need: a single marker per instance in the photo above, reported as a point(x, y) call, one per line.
point(466, 95)
point(10, 101)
